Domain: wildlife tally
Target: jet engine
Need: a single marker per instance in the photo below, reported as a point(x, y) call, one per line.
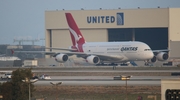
point(154, 59)
point(61, 58)
point(162, 56)
point(93, 59)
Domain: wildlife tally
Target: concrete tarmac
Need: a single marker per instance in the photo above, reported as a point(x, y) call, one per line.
point(55, 70)
point(104, 80)
point(101, 80)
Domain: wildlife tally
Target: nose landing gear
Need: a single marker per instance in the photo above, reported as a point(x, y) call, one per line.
point(148, 63)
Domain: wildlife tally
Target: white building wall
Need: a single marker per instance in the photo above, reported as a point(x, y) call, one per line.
point(133, 18)
point(62, 38)
point(169, 84)
point(174, 32)
point(174, 24)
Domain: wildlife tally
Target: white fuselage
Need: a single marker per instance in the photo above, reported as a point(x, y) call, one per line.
point(126, 51)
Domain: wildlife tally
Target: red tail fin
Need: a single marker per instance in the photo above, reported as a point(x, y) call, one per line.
point(76, 36)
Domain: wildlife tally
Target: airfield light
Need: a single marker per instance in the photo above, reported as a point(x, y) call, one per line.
point(27, 80)
point(122, 77)
point(56, 85)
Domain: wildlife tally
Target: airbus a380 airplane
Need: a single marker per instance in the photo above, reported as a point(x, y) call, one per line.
point(106, 52)
point(112, 52)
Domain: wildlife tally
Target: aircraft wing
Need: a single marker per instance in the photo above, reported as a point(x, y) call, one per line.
point(84, 55)
point(66, 49)
point(102, 57)
point(47, 52)
point(78, 54)
point(160, 50)
point(2, 55)
point(43, 52)
point(81, 54)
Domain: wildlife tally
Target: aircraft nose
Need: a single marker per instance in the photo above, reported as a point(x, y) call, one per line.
point(151, 55)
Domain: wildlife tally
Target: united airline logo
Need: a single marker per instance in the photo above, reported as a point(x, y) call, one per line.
point(119, 19)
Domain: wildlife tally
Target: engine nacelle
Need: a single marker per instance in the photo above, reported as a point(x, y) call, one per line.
point(61, 58)
point(154, 59)
point(93, 59)
point(162, 56)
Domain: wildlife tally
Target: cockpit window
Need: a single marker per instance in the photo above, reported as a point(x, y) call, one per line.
point(147, 49)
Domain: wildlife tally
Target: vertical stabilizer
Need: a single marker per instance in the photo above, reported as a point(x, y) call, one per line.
point(76, 36)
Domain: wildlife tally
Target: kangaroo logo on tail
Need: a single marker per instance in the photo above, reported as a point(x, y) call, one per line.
point(76, 36)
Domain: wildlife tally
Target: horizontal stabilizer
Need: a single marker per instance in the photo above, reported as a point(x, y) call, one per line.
point(160, 50)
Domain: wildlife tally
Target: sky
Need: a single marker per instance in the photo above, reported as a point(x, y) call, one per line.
point(25, 19)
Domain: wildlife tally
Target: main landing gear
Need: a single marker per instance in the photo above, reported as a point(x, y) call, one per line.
point(148, 63)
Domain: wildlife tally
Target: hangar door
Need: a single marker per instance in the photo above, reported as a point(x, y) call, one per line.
point(156, 38)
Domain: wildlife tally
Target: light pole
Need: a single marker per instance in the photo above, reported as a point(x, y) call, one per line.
point(56, 85)
point(125, 78)
point(29, 81)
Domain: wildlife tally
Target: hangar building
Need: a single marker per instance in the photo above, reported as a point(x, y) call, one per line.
point(158, 27)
